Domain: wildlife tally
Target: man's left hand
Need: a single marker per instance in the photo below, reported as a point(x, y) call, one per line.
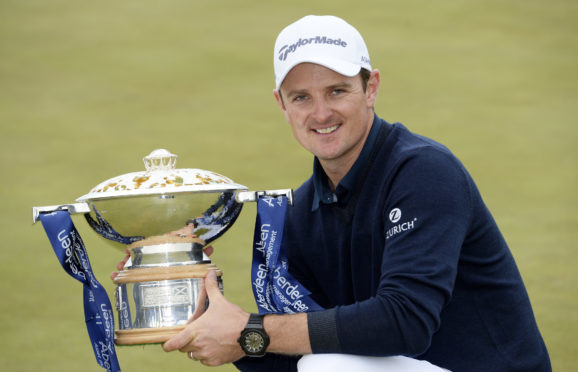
point(211, 337)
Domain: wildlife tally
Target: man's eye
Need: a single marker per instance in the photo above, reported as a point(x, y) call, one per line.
point(300, 98)
point(336, 92)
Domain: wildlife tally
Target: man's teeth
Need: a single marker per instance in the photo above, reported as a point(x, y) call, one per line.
point(327, 130)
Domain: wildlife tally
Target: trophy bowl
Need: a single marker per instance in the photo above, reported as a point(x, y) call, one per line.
point(165, 217)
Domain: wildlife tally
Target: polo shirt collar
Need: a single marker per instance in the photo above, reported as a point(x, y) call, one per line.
point(344, 189)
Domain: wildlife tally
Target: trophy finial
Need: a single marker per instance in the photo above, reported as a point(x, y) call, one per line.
point(160, 159)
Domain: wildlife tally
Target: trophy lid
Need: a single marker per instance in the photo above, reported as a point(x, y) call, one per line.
point(161, 200)
point(160, 177)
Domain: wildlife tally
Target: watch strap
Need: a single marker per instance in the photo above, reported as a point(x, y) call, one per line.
point(255, 321)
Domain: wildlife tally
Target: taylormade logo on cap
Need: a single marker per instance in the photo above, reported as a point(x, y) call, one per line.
point(325, 40)
point(286, 49)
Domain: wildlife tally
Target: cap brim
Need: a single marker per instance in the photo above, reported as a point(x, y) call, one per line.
point(341, 67)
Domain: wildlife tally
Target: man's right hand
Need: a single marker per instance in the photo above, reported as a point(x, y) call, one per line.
point(120, 265)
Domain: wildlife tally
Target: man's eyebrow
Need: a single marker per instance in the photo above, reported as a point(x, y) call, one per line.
point(296, 92)
point(340, 85)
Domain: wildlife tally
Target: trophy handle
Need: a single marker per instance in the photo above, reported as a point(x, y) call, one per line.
point(253, 196)
point(240, 197)
point(74, 208)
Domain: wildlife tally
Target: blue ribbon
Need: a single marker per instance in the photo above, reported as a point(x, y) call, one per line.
point(215, 220)
point(103, 228)
point(98, 315)
point(276, 291)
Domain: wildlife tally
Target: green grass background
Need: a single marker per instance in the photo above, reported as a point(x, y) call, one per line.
point(87, 88)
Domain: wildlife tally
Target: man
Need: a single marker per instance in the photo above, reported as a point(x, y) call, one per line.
point(390, 235)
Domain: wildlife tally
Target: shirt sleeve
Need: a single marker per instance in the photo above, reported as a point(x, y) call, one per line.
point(431, 195)
point(268, 363)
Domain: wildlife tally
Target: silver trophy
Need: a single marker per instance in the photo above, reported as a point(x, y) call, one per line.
point(165, 217)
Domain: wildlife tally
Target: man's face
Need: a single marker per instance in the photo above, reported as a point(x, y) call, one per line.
point(330, 114)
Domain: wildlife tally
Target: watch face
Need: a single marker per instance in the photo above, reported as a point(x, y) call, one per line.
point(253, 342)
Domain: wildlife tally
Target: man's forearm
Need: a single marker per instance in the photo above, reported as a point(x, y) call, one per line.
point(289, 334)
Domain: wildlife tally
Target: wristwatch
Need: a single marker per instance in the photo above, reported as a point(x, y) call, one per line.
point(254, 340)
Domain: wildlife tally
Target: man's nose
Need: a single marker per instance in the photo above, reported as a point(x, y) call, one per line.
point(321, 111)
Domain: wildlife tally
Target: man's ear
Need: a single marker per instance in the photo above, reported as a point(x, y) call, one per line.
point(279, 99)
point(372, 87)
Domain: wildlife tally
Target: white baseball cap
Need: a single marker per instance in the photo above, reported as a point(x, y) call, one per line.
point(324, 40)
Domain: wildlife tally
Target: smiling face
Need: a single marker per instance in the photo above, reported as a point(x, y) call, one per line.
point(330, 114)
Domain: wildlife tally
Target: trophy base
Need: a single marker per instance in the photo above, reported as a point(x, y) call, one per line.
point(163, 299)
point(142, 336)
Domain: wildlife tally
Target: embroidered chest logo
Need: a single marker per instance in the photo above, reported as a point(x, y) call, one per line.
point(395, 217)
